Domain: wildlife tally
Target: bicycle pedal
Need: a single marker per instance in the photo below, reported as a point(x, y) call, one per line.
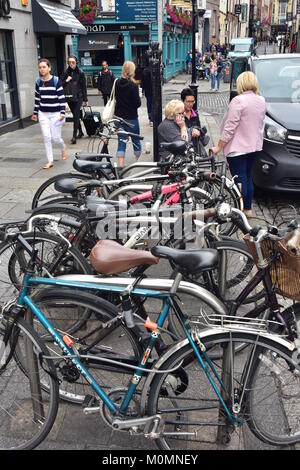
point(90, 402)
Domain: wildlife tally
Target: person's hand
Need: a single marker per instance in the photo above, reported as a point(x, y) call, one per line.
point(61, 117)
point(68, 79)
point(195, 133)
point(216, 150)
point(179, 119)
point(34, 117)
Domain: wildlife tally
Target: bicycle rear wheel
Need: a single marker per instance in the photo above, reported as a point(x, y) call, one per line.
point(103, 334)
point(46, 193)
point(188, 404)
point(27, 413)
point(56, 258)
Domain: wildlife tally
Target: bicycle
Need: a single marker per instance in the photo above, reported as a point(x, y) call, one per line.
point(168, 422)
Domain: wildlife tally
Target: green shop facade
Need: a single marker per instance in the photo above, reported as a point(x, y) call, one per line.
point(117, 42)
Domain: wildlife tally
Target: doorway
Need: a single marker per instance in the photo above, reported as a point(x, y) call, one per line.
point(139, 57)
point(53, 49)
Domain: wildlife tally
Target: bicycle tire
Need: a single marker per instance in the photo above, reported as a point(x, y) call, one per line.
point(175, 390)
point(43, 193)
point(118, 341)
point(265, 428)
point(21, 426)
point(57, 257)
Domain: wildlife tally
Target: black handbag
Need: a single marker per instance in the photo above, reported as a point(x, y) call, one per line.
point(71, 91)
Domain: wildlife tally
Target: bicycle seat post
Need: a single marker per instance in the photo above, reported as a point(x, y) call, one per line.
point(176, 283)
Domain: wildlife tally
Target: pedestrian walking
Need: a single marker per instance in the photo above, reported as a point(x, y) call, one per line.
point(128, 101)
point(73, 82)
point(188, 62)
point(280, 45)
point(50, 109)
point(105, 82)
point(213, 71)
point(220, 66)
point(206, 63)
point(242, 131)
point(173, 127)
point(146, 85)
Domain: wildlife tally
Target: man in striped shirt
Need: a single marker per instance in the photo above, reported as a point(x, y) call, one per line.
point(50, 109)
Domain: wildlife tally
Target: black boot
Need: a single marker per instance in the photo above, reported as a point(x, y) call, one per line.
point(80, 134)
point(73, 141)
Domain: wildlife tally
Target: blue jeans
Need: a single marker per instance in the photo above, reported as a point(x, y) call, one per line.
point(213, 81)
point(207, 73)
point(242, 167)
point(219, 79)
point(136, 143)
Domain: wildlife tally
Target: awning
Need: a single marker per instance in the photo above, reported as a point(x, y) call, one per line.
point(99, 42)
point(50, 19)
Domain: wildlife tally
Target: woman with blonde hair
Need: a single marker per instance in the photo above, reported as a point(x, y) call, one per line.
point(173, 127)
point(127, 103)
point(242, 130)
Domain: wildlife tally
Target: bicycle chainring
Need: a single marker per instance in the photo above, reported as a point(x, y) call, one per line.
point(117, 396)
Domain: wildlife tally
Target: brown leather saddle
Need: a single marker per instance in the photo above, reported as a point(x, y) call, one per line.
point(108, 257)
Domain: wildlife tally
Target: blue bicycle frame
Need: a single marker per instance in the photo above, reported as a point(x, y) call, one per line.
point(25, 300)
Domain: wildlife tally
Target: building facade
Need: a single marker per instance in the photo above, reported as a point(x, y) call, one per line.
point(30, 30)
point(117, 41)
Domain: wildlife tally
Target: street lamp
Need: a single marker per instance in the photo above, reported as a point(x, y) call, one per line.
point(198, 5)
point(194, 85)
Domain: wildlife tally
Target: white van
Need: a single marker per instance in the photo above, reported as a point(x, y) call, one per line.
point(241, 47)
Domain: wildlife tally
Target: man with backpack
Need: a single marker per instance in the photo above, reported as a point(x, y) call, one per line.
point(106, 80)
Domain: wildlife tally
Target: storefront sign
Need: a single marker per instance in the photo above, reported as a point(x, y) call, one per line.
point(237, 9)
point(4, 8)
point(102, 28)
point(138, 10)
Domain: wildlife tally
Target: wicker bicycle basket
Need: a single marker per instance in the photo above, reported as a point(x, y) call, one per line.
point(284, 257)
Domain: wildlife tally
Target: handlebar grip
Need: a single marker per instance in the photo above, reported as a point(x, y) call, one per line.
point(204, 213)
point(69, 222)
point(130, 134)
point(3, 236)
point(213, 160)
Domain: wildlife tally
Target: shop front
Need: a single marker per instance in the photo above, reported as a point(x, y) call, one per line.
point(113, 42)
point(117, 42)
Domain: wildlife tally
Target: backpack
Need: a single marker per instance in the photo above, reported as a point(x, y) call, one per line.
point(39, 81)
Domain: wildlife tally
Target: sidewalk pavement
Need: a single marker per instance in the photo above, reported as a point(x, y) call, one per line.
point(22, 153)
point(21, 158)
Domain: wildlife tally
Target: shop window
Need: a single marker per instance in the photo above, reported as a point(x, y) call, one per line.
point(8, 87)
point(114, 57)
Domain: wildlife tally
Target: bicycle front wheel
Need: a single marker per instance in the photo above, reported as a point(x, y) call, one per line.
point(194, 417)
point(27, 413)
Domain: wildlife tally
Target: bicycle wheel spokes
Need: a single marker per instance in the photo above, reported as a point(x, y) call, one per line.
point(267, 405)
point(274, 401)
point(27, 413)
point(93, 325)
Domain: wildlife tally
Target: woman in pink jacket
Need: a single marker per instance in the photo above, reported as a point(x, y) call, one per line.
point(242, 130)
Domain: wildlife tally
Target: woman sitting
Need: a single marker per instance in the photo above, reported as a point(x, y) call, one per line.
point(173, 127)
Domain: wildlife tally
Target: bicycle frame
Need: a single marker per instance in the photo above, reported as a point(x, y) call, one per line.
point(25, 300)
